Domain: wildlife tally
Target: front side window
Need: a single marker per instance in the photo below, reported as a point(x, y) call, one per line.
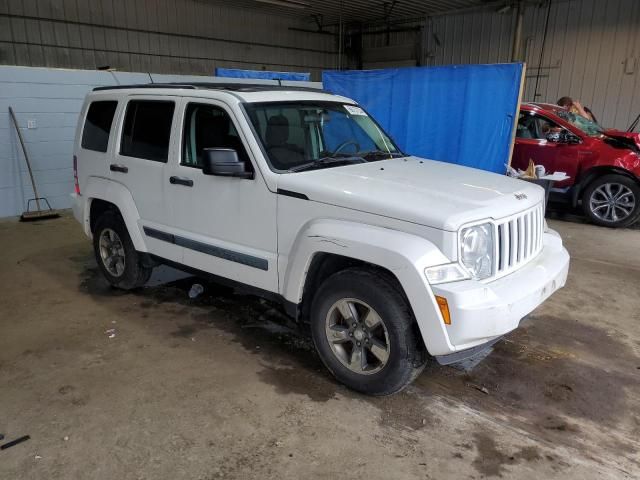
point(295, 135)
point(97, 126)
point(208, 126)
point(147, 129)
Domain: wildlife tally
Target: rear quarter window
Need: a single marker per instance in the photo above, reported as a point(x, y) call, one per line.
point(97, 125)
point(147, 129)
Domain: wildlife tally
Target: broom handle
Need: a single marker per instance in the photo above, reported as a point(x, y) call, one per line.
point(26, 157)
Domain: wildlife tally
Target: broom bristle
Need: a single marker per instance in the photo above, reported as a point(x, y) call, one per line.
point(38, 215)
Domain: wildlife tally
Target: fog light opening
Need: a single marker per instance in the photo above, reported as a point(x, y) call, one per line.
point(444, 309)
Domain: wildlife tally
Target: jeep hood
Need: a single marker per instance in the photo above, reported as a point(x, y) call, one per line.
point(426, 192)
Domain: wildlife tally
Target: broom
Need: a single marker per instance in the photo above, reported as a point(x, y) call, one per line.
point(38, 213)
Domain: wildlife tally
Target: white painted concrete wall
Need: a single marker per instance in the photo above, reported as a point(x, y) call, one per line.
point(53, 98)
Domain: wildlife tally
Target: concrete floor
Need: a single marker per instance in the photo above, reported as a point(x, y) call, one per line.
point(219, 387)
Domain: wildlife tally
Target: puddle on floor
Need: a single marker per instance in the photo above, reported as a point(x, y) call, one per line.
point(537, 373)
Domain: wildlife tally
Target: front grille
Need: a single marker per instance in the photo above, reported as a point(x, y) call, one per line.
point(519, 239)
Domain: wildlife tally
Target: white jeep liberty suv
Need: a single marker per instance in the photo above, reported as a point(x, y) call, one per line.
point(302, 197)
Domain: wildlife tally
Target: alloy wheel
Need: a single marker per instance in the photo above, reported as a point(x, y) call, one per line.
point(112, 252)
point(357, 336)
point(612, 202)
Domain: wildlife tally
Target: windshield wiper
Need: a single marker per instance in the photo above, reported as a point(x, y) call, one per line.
point(382, 153)
point(325, 162)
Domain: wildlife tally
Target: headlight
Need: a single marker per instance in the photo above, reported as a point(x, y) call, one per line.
point(476, 250)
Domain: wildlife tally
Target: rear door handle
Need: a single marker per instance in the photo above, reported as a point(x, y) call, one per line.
point(118, 168)
point(187, 182)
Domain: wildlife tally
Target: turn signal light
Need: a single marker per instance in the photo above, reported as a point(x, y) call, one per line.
point(444, 309)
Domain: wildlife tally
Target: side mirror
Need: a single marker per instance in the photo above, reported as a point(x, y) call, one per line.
point(572, 139)
point(223, 162)
point(563, 137)
point(554, 137)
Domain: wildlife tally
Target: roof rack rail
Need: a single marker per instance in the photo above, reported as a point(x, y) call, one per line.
point(233, 87)
point(145, 85)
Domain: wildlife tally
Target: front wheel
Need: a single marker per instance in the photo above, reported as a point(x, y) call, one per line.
point(365, 333)
point(612, 201)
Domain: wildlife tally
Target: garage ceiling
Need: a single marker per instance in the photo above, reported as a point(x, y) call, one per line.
point(358, 10)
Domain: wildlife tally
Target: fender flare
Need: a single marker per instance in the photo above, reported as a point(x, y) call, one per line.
point(403, 254)
point(103, 189)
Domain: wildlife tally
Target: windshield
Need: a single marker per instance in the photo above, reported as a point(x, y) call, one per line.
point(297, 135)
point(587, 126)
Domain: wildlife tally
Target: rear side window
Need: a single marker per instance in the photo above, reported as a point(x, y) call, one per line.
point(147, 128)
point(97, 126)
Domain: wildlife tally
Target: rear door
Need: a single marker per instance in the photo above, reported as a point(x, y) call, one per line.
point(140, 163)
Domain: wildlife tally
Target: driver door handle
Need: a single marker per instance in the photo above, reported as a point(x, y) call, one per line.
point(187, 182)
point(114, 167)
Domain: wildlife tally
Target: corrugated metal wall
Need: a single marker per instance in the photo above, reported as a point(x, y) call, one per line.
point(163, 36)
point(592, 51)
point(400, 47)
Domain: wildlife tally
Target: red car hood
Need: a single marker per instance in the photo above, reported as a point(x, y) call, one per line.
point(631, 137)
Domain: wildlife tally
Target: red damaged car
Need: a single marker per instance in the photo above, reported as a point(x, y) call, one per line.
point(603, 165)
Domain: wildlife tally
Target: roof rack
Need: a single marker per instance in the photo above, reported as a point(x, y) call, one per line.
point(233, 87)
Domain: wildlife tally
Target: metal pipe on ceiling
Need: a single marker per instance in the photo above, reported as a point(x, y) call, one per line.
point(358, 10)
point(517, 33)
point(340, 38)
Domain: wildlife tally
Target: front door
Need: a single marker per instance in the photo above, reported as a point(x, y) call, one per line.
point(227, 225)
point(531, 144)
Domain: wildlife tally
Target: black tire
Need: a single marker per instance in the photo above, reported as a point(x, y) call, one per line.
point(406, 354)
point(134, 274)
point(594, 192)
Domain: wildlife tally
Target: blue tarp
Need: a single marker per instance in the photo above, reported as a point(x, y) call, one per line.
point(460, 114)
point(262, 74)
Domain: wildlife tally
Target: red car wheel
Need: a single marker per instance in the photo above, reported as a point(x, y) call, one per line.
point(612, 201)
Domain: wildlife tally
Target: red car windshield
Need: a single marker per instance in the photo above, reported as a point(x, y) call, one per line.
point(587, 126)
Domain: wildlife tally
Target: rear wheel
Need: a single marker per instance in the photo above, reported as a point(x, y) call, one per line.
point(612, 201)
point(116, 256)
point(365, 333)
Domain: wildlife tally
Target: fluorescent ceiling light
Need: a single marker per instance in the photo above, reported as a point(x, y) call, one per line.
point(286, 3)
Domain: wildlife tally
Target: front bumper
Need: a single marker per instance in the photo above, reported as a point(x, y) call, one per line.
point(482, 312)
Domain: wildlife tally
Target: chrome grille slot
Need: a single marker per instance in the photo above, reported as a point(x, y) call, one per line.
point(519, 239)
point(520, 227)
